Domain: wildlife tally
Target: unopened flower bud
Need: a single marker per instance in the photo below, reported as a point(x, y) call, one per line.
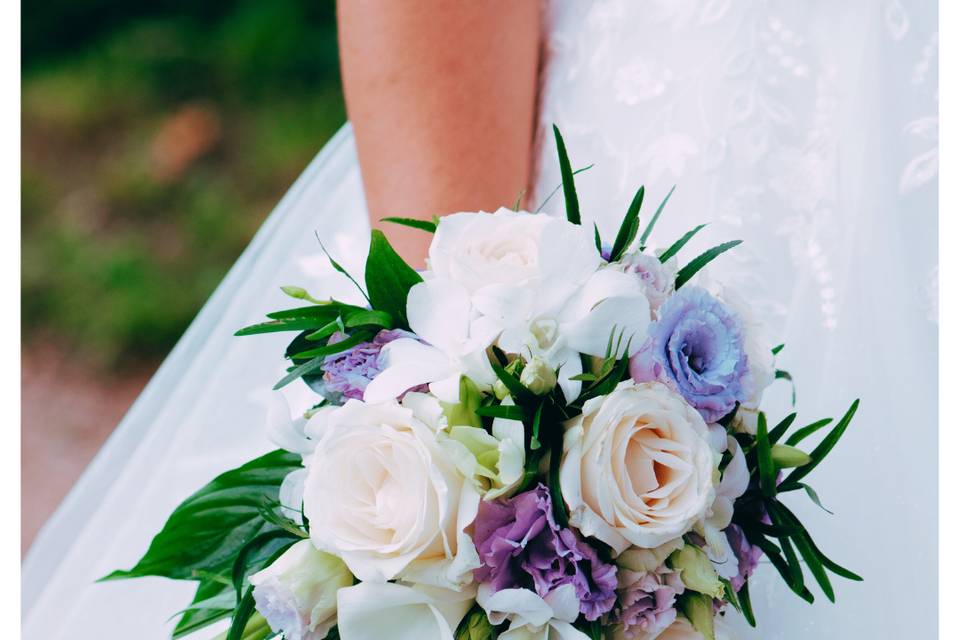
point(538, 376)
point(786, 456)
point(697, 571)
point(698, 609)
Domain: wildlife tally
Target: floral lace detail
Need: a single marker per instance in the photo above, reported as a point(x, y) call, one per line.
point(755, 109)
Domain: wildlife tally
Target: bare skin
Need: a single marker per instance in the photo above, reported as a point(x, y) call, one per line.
point(442, 97)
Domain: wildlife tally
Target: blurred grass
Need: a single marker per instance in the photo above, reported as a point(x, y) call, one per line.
point(153, 146)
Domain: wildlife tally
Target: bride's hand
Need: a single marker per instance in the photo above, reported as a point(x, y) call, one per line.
point(442, 98)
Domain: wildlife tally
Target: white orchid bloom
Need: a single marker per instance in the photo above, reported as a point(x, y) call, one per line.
point(440, 313)
point(734, 483)
point(572, 306)
point(532, 617)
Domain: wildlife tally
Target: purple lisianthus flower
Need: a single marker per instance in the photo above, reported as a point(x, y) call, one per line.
point(347, 374)
point(748, 555)
point(698, 341)
point(646, 601)
point(522, 547)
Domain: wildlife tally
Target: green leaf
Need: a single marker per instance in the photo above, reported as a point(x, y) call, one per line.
point(509, 412)
point(516, 203)
point(301, 370)
point(388, 279)
point(596, 238)
point(746, 607)
point(628, 228)
point(777, 349)
point(813, 496)
point(558, 187)
point(765, 464)
point(213, 602)
point(673, 249)
point(296, 324)
point(566, 174)
point(253, 555)
point(806, 431)
point(824, 448)
point(321, 312)
point(241, 615)
point(653, 220)
point(553, 479)
point(336, 347)
point(207, 531)
point(517, 390)
point(780, 374)
point(325, 331)
point(416, 223)
point(777, 432)
point(828, 564)
point(772, 552)
point(796, 572)
point(339, 268)
point(684, 275)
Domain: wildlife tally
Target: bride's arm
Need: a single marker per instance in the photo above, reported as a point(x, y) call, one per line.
point(442, 96)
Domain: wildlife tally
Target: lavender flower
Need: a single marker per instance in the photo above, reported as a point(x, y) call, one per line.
point(347, 374)
point(748, 555)
point(521, 546)
point(698, 342)
point(656, 278)
point(646, 601)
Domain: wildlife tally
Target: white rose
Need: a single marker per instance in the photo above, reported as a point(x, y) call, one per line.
point(482, 249)
point(297, 594)
point(375, 611)
point(637, 467)
point(382, 494)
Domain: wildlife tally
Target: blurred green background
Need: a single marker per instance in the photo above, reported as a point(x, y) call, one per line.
point(156, 137)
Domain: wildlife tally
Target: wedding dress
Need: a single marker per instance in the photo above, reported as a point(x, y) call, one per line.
point(809, 130)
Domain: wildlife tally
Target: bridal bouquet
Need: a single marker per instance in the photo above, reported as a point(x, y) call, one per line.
point(543, 435)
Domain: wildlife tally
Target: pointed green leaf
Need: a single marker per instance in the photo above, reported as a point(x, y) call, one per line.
point(413, 223)
point(566, 174)
point(509, 412)
point(703, 260)
point(596, 238)
point(653, 220)
point(673, 249)
point(369, 317)
point(746, 607)
point(777, 432)
point(765, 464)
point(806, 431)
point(558, 187)
point(824, 448)
point(389, 279)
point(628, 228)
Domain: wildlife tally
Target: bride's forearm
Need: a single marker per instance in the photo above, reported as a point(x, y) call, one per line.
point(442, 97)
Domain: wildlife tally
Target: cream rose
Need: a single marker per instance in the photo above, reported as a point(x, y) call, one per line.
point(382, 495)
point(483, 249)
point(637, 467)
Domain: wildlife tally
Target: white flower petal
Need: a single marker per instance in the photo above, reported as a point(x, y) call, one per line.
point(439, 312)
point(626, 318)
point(371, 611)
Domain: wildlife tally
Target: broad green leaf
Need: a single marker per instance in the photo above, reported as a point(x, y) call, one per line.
point(628, 228)
point(653, 220)
point(802, 433)
point(566, 175)
point(684, 275)
point(765, 464)
point(414, 223)
point(253, 556)
point(388, 279)
point(673, 249)
point(206, 532)
point(508, 412)
point(820, 452)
